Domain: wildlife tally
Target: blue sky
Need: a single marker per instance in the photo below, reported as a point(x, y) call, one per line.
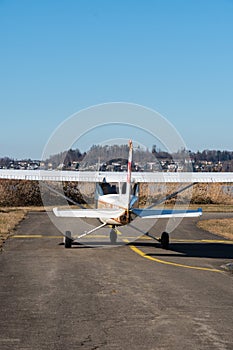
point(57, 57)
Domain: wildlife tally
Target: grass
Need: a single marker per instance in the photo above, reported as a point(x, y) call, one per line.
point(207, 208)
point(214, 208)
point(26, 209)
point(221, 227)
point(10, 217)
point(8, 221)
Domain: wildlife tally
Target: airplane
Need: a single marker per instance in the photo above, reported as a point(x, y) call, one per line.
point(120, 206)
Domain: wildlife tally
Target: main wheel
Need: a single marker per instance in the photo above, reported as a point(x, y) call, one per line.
point(164, 240)
point(113, 236)
point(68, 239)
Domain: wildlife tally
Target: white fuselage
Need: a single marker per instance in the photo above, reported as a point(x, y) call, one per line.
point(116, 201)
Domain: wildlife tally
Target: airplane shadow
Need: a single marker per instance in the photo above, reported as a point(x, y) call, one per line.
point(96, 244)
point(191, 250)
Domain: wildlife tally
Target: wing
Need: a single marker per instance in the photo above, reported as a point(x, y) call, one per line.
point(88, 176)
point(89, 213)
point(185, 177)
point(165, 214)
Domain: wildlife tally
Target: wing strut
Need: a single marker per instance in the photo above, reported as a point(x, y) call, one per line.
point(93, 230)
point(62, 195)
point(172, 195)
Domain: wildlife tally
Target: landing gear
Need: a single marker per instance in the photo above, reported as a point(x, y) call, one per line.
point(164, 240)
point(113, 236)
point(68, 239)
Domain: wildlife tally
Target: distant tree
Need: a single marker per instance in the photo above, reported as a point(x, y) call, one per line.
point(5, 162)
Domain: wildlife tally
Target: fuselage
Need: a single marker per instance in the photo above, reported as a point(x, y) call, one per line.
point(116, 201)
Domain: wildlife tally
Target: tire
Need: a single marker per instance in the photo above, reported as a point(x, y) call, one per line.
point(164, 240)
point(68, 240)
point(113, 236)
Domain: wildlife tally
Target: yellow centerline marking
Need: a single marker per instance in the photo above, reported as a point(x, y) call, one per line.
point(175, 240)
point(129, 238)
point(144, 255)
point(61, 236)
point(202, 241)
point(35, 236)
point(27, 236)
point(138, 251)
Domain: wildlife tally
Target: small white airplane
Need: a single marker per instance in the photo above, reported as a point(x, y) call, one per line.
point(119, 206)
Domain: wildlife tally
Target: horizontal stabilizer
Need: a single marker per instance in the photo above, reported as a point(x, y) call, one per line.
point(165, 214)
point(89, 213)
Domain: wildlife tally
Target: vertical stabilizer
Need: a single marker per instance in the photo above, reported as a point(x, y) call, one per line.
point(128, 183)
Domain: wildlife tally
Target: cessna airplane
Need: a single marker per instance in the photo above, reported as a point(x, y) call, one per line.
point(120, 207)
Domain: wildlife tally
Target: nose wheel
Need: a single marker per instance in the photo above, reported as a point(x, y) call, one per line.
point(113, 236)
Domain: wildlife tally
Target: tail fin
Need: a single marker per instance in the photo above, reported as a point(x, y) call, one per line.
point(128, 183)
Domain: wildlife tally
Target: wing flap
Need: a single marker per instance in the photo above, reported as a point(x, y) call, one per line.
point(89, 213)
point(165, 214)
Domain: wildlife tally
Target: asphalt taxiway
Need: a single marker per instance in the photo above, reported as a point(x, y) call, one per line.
point(135, 296)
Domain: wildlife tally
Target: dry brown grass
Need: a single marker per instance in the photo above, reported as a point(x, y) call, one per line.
point(26, 193)
point(27, 209)
point(214, 208)
point(207, 208)
point(221, 227)
point(8, 221)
